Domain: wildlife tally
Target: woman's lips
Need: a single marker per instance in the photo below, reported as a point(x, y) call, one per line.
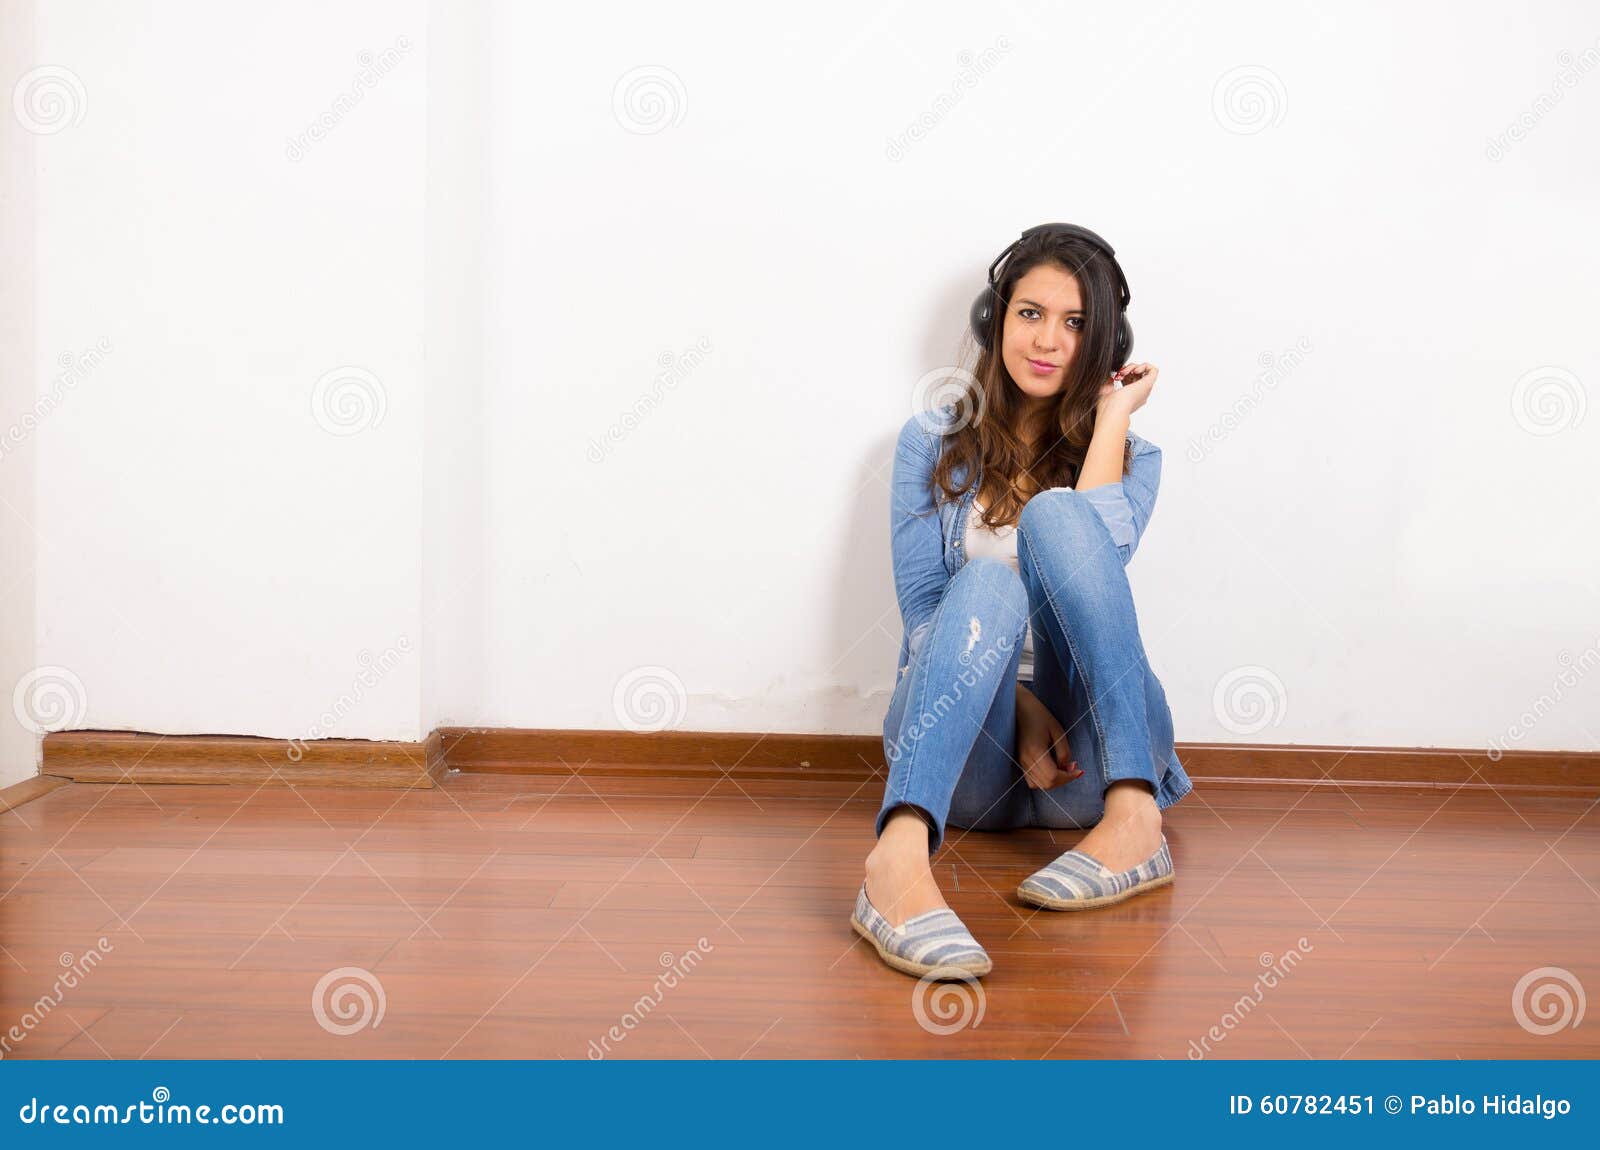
point(1040, 367)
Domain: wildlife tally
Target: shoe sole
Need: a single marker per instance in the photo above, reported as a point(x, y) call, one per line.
point(918, 969)
point(1047, 903)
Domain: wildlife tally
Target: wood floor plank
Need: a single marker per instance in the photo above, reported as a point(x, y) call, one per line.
point(509, 915)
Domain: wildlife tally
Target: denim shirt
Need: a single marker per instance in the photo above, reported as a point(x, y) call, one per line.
point(928, 543)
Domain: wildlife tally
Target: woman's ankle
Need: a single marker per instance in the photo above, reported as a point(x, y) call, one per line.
point(1131, 798)
point(904, 837)
point(900, 880)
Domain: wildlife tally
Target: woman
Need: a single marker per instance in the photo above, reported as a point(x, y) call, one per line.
point(1023, 696)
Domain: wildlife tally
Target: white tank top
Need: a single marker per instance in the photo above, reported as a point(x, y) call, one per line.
point(999, 543)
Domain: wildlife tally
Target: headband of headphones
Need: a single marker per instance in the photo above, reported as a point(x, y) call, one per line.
point(982, 312)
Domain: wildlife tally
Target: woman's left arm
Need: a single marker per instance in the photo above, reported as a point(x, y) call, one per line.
point(1125, 502)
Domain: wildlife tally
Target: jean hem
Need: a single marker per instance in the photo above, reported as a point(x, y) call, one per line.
point(1173, 788)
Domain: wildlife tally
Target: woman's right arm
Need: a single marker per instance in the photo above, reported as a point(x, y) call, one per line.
point(916, 539)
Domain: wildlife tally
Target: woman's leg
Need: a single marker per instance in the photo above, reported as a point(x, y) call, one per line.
point(1083, 604)
point(943, 708)
point(992, 794)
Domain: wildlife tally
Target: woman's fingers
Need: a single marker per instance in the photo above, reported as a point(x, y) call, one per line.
point(1042, 773)
point(1029, 758)
point(1068, 766)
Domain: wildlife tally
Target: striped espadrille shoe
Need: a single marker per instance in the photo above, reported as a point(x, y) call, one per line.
point(934, 943)
point(1075, 881)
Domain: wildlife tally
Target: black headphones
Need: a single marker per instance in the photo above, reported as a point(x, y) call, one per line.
point(982, 313)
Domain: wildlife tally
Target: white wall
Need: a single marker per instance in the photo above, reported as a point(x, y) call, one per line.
point(229, 522)
point(453, 620)
point(728, 227)
point(19, 741)
point(1378, 535)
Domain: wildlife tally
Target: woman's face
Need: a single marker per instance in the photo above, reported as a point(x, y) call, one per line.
point(1042, 329)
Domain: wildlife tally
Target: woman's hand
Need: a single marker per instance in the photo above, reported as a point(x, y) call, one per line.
point(1137, 381)
point(1042, 747)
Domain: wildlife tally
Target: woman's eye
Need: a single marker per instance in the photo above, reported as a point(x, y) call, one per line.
point(1027, 312)
point(1075, 322)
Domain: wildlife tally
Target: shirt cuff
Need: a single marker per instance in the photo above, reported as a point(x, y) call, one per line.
point(1111, 501)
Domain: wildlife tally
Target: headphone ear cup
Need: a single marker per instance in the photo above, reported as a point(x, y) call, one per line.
point(980, 316)
point(1124, 340)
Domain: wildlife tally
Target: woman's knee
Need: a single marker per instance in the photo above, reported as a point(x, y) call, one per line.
point(987, 606)
point(989, 584)
point(1058, 513)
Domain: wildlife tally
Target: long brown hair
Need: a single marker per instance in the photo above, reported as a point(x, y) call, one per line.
point(987, 415)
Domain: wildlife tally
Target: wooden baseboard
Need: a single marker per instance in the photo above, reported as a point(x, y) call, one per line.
point(706, 754)
point(27, 790)
point(132, 757)
point(682, 754)
point(126, 756)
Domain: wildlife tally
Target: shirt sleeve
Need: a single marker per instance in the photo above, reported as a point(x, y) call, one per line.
point(1126, 506)
point(916, 538)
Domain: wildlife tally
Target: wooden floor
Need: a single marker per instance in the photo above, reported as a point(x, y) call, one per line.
point(525, 916)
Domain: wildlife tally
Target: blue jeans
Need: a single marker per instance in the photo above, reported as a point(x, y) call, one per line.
point(950, 733)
